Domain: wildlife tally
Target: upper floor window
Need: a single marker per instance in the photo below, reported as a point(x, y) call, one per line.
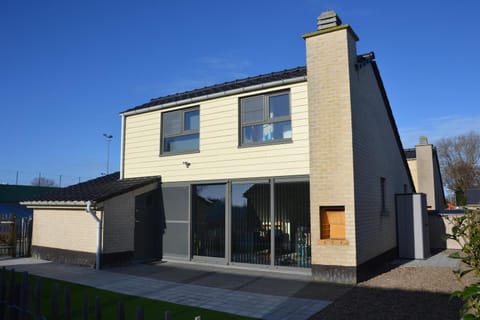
point(265, 118)
point(180, 131)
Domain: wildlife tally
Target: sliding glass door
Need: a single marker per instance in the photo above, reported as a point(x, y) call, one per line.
point(264, 222)
point(292, 224)
point(208, 217)
point(251, 223)
point(254, 206)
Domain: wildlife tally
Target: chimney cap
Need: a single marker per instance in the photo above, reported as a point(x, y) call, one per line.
point(423, 140)
point(328, 19)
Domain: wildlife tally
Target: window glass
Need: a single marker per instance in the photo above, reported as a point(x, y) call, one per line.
point(172, 122)
point(282, 130)
point(279, 106)
point(257, 133)
point(181, 143)
point(252, 109)
point(265, 118)
point(192, 120)
point(208, 217)
point(267, 132)
point(251, 223)
point(292, 224)
point(180, 130)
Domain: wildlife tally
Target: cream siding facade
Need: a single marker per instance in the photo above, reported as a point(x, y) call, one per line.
point(412, 165)
point(220, 156)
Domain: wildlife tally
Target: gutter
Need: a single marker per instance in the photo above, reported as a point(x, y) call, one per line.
point(99, 233)
point(46, 204)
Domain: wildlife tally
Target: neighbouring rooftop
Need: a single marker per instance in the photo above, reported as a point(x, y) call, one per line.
point(97, 190)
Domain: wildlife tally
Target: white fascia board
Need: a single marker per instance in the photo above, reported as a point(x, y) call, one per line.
point(57, 204)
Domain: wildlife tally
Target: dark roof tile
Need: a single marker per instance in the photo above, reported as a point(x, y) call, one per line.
point(97, 190)
point(231, 85)
point(410, 153)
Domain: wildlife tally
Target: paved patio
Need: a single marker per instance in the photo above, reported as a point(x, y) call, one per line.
point(255, 293)
point(252, 293)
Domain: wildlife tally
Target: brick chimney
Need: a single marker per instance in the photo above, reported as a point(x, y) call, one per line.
point(331, 58)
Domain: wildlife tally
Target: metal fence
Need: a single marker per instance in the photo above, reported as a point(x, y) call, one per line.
point(15, 235)
point(18, 302)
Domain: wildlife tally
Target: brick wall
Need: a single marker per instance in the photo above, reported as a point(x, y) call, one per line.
point(69, 229)
point(353, 146)
point(329, 60)
point(378, 155)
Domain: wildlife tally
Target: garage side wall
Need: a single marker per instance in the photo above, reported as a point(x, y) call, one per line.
point(64, 235)
point(119, 226)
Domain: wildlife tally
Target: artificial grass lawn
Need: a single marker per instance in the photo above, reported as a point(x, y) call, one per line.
point(153, 309)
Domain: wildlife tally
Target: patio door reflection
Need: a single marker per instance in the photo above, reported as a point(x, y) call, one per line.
point(251, 223)
point(208, 216)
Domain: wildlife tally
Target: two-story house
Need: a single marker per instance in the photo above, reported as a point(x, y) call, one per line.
point(296, 168)
point(293, 170)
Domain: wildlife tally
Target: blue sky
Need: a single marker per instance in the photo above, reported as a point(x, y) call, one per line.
point(68, 68)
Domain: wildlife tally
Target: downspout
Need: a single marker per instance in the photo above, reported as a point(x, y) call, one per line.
point(122, 147)
point(99, 233)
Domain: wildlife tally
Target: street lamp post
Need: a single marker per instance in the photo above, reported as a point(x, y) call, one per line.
point(109, 139)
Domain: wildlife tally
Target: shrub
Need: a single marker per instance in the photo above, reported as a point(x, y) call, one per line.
point(466, 231)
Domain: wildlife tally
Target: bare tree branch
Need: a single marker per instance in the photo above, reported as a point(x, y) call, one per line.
point(459, 158)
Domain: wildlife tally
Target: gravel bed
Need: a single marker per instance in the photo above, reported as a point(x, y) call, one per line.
point(404, 292)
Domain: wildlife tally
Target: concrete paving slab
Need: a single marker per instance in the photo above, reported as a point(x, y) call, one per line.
point(247, 293)
point(440, 259)
point(254, 293)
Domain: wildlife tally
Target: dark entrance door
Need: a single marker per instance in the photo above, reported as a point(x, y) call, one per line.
point(147, 229)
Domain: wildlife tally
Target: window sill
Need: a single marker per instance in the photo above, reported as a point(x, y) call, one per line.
point(333, 242)
point(167, 154)
point(266, 143)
